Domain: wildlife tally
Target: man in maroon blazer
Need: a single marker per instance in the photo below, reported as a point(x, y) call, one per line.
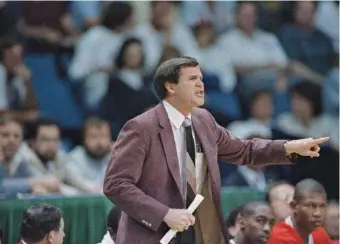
point(150, 174)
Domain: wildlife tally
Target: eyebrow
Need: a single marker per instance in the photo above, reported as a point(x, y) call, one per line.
point(196, 76)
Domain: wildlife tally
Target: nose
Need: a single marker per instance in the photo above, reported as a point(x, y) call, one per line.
point(266, 228)
point(317, 212)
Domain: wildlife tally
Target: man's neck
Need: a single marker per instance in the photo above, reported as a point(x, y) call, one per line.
point(300, 230)
point(182, 109)
point(240, 239)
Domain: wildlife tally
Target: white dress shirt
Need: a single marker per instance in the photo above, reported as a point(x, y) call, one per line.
point(177, 118)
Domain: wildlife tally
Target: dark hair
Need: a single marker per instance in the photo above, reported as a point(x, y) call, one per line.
point(116, 14)
point(232, 217)
point(38, 221)
point(169, 71)
point(306, 187)
point(120, 62)
point(310, 91)
point(7, 43)
point(249, 208)
point(113, 220)
point(33, 133)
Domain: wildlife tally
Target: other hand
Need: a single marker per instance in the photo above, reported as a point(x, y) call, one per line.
point(305, 147)
point(179, 219)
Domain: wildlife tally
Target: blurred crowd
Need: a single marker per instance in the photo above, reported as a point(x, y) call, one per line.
point(271, 70)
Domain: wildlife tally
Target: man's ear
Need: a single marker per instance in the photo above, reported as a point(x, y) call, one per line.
point(170, 87)
point(242, 223)
point(293, 204)
point(49, 237)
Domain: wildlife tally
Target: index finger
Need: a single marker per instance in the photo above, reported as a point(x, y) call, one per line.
point(320, 140)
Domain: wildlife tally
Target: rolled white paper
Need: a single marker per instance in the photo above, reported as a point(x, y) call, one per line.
point(171, 233)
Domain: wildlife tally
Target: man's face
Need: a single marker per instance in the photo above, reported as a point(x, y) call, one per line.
point(280, 198)
point(46, 144)
point(247, 17)
point(98, 140)
point(262, 107)
point(310, 212)
point(257, 228)
point(304, 13)
point(13, 56)
point(189, 92)
point(57, 237)
point(11, 137)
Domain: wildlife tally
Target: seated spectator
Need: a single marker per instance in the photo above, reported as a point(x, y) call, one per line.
point(305, 118)
point(45, 157)
point(214, 61)
point(303, 42)
point(327, 20)
point(256, 223)
point(163, 30)
point(332, 221)
point(42, 224)
point(92, 157)
point(112, 226)
point(47, 30)
point(15, 172)
point(97, 48)
point(279, 196)
point(221, 13)
point(308, 213)
point(260, 111)
point(129, 92)
point(253, 52)
point(233, 222)
point(16, 90)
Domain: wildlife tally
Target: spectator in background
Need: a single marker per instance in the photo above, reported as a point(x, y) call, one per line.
point(304, 43)
point(279, 195)
point(16, 174)
point(256, 223)
point(16, 91)
point(43, 224)
point(112, 226)
point(261, 112)
point(163, 30)
point(92, 157)
point(308, 213)
point(97, 48)
point(214, 62)
point(255, 54)
point(45, 157)
point(86, 14)
point(306, 119)
point(46, 26)
point(221, 13)
point(327, 20)
point(332, 221)
point(129, 92)
point(233, 222)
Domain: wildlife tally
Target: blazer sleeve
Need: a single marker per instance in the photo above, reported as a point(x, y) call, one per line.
point(250, 152)
point(123, 173)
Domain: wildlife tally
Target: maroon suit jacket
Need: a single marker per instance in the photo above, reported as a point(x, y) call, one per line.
point(143, 179)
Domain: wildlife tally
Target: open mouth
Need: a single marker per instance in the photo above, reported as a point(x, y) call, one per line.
point(317, 223)
point(200, 93)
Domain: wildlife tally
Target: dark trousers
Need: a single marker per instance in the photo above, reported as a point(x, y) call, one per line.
point(187, 236)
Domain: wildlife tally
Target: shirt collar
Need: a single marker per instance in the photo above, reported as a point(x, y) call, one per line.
point(174, 115)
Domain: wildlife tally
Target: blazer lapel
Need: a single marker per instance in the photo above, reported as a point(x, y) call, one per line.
point(169, 145)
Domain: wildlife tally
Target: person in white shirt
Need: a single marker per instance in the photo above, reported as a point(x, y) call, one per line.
point(112, 226)
point(96, 50)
